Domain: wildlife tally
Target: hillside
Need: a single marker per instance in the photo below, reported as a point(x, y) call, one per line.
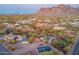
point(59, 10)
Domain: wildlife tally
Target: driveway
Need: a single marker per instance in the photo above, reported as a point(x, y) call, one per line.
point(28, 48)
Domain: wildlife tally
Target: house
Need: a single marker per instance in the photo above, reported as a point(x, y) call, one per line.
point(48, 39)
point(43, 49)
point(8, 37)
point(8, 31)
point(59, 28)
point(17, 37)
point(24, 40)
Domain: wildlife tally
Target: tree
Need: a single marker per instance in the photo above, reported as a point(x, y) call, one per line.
point(60, 44)
point(2, 33)
point(32, 39)
point(55, 43)
point(70, 40)
point(67, 49)
point(2, 41)
point(13, 41)
point(11, 47)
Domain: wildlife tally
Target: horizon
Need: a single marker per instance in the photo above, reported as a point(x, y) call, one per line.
point(26, 8)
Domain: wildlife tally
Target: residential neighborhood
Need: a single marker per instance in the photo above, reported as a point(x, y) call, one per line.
point(48, 32)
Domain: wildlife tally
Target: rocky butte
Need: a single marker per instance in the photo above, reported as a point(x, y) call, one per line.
point(59, 10)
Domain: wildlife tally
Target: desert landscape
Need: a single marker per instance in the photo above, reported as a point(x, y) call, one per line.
point(49, 31)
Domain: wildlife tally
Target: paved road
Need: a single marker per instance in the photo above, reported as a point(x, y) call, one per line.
point(76, 49)
point(3, 50)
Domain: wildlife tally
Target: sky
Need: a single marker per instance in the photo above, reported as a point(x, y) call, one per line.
point(25, 8)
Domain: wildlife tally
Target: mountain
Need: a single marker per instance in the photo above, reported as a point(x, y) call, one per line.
point(59, 10)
